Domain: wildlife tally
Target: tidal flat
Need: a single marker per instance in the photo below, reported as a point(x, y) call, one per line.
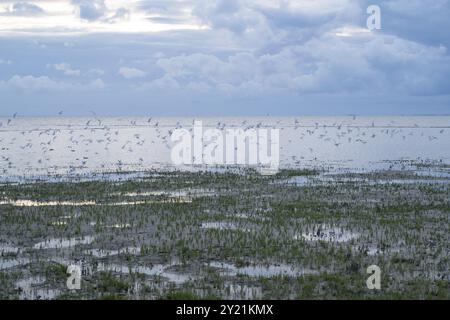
point(299, 234)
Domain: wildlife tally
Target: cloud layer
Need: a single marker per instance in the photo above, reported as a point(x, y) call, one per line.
point(312, 55)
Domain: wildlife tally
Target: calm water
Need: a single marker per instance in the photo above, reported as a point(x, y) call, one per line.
point(33, 147)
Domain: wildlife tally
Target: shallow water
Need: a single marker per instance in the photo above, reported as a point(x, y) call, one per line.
point(433, 173)
point(8, 249)
point(60, 243)
point(222, 226)
point(298, 181)
point(153, 270)
point(44, 147)
point(31, 203)
point(11, 263)
point(258, 270)
point(384, 181)
point(102, 253)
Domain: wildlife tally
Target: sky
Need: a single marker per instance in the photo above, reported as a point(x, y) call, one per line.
point(223, 57)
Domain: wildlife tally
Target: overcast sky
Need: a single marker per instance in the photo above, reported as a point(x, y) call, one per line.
point(223, 57)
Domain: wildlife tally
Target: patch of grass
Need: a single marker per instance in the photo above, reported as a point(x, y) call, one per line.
point(111, 284)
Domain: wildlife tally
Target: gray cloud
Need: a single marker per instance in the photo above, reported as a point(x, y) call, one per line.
point(251, 53)
point(171, 7)
point(325, 65)
point(425, 21)
point(90, 9)
point(167, 11)
point(119, 15)
point(96, 10)
point(228, 14)
point(24, 9)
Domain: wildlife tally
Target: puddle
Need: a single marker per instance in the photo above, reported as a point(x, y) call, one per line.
point(124, 203)
point(155, 270)
point(32, 203)
point(8, 249)
point(374, 250)
point(264, 171)
point(133, 203)
point(73, 216)
point(298, 180)
point(60, 243)
point(222, 226)
point(120, 226)
point(11, 263)
point(151, 271)
point(433, 173)
point(28, 282)
point(328, 234)
point(148, 194)
point(102, 253)
point(173, 194)
point(58, 223)
point(179, 196)
point(260, 270)
point(411, 181)
point(374, 182)
point(176, 278)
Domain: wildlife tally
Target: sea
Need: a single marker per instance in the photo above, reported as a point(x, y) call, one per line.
point(46, 148)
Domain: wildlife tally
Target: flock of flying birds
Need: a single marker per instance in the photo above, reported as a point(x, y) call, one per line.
point(94, 135)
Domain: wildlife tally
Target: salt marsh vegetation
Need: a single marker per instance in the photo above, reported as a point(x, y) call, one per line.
point(229, 235)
